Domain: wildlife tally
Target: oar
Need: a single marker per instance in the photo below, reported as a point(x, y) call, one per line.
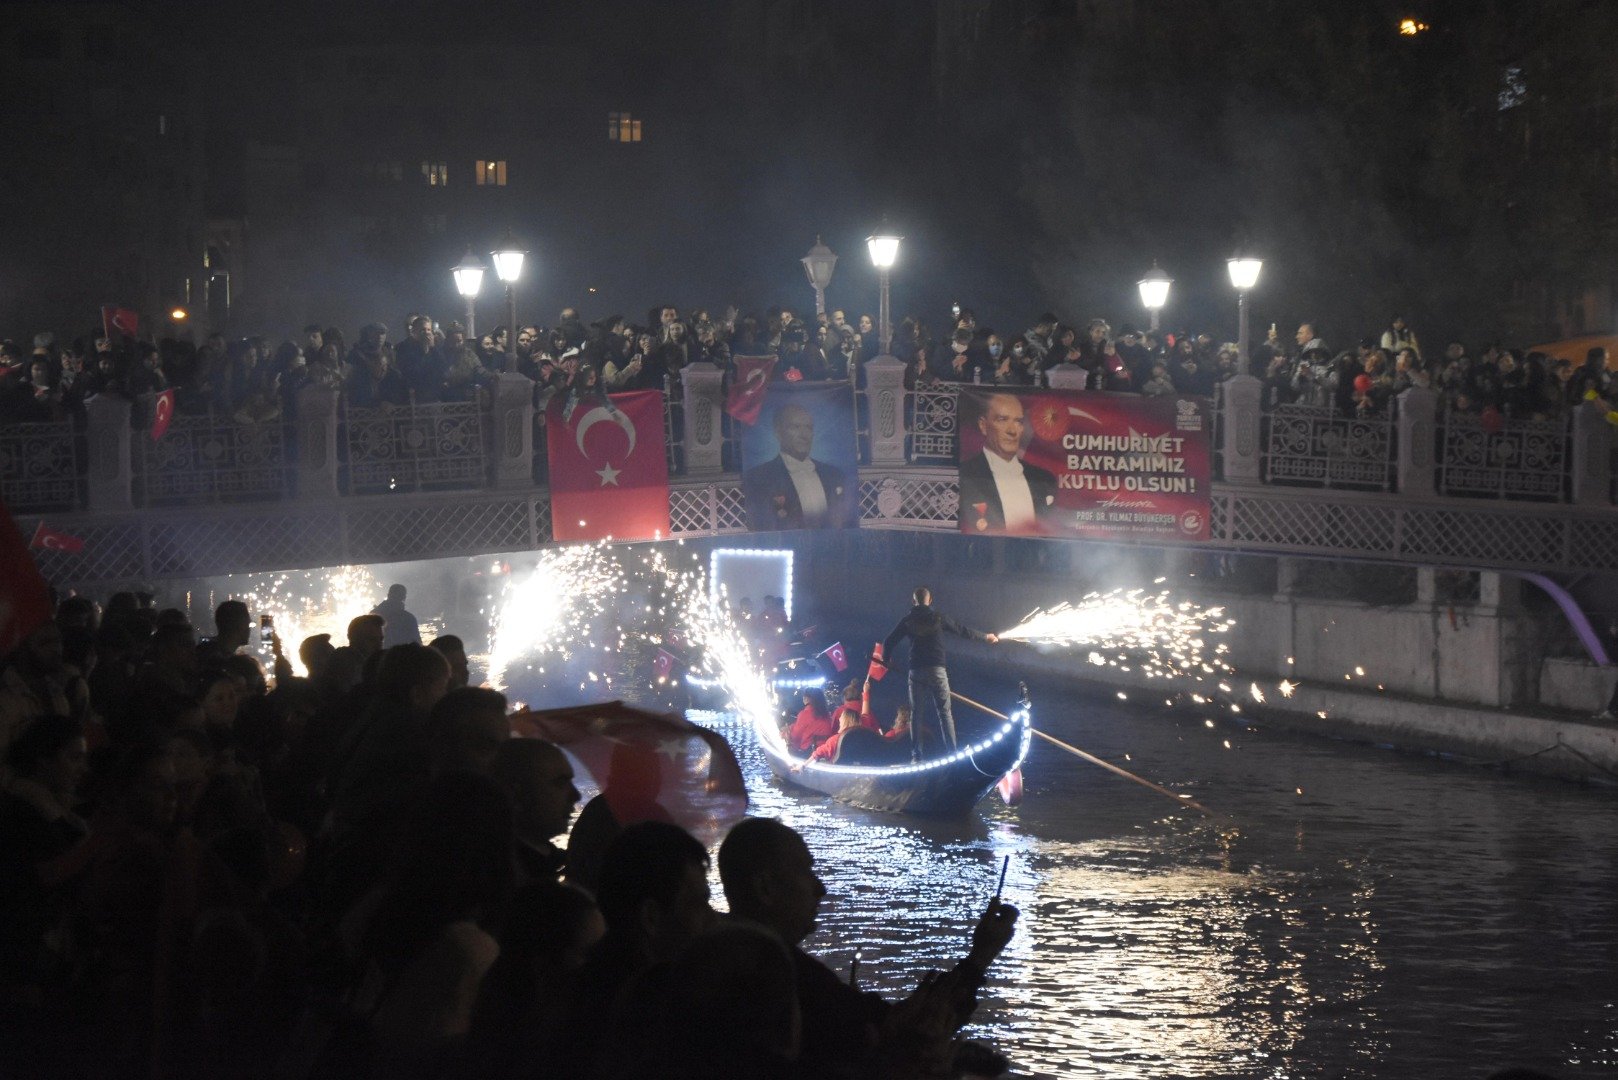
point(1183, 800)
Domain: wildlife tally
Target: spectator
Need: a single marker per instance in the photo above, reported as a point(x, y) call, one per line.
point(1399, 336)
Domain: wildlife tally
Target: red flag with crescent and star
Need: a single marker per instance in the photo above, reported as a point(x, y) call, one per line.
point(747, 386)
point(837, 655)
point(25, 599)
point(609, 473)
point(162, 413)
point(117, 320)
point(51, 539)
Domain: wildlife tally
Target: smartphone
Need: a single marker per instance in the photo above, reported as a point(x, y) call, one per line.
point(955, 309)
point(266, 628)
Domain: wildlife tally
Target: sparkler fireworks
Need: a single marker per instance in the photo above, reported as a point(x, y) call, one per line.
point(1164, 639)
point(308, 602)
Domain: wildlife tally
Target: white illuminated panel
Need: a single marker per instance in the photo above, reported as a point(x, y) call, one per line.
point(750, 572)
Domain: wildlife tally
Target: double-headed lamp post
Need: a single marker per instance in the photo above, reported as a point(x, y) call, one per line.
point(884, 249)
point(1243, 275)
point(508, 259)
point(819, 264)
point(468, 280)
point(1154, 291)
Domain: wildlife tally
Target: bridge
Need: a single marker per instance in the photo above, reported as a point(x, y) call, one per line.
point(337, 485)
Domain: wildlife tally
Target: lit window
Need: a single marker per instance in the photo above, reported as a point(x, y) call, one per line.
point(1412, 27)
point(491, 173)
point(622, 127)
point(436, 172)
point(1513, 88)
point(162, 124)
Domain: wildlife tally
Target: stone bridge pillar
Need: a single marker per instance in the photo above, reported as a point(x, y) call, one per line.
point(885, 394)
point(317, 442)
point(110, 476)
point(704, 434)
point(1241, 399)
point(1591, 450)
point(1417, 427)
point(513, 416)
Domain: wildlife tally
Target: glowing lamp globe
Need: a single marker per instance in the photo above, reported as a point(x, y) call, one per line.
point(1154, 288)
point(508, 261)
point(1244, 272)
point(884, 250)
point(468, 275)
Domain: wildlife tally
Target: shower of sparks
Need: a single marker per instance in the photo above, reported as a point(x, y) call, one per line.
point(1257, 692)
point(307, 602)
point(550, 611)
point(1287, 688)
point(1164, 638)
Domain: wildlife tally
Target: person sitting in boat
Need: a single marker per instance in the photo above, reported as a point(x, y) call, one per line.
point(848, 720)
point(857, 703)
point(814, 724)
point(900, 731)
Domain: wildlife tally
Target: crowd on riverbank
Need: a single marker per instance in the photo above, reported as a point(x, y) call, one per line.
point(251, 380)
point(207, 870)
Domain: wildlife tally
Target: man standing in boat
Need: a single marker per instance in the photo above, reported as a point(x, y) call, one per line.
point(929, 681)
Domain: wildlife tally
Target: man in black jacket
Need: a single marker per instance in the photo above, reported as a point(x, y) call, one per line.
point(928, 678)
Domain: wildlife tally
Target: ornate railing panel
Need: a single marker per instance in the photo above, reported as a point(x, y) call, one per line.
point(1515, 459)
point(929, 499)
point(210, 459)
point(1318, 448)
point(416, 448)
point(933, 428)
point(714, 509)
point(39, 466)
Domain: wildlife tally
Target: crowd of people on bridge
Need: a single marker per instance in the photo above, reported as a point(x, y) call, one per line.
point(251, 380)
point(208, 870)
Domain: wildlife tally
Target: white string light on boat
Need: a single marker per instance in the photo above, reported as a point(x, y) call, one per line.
point(1019, 725)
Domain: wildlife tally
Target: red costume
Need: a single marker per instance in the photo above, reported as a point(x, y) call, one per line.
point(809, 728)
point(827, 751)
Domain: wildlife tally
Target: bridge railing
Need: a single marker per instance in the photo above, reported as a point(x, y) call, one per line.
point(326, 450)
point(41, 467)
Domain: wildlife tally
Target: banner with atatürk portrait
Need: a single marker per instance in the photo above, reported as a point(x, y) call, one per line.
point(800, 463)
point(1084, 463)
point(609, 472)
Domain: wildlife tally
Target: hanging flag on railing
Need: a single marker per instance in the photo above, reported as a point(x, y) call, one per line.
point(609, 474)
point(25, 599)
point(162, 413)
point(50, 539)
point(751, 378)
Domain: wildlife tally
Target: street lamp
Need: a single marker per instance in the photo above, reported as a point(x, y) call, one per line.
point(508, 259)
point(819, 264)
point(468, 280)
point(884, 249)
point(1243, 275)
point(1154, 291)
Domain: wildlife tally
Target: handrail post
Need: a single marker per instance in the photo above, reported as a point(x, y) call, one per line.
point(1416, 427)
point(317, 442)
point(108, 427)
point(1241, 399)
point(1592, 456)
point(885, 398)
point(702, 392)
point(512, 412)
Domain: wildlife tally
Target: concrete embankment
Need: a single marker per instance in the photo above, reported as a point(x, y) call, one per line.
point(1430, 676)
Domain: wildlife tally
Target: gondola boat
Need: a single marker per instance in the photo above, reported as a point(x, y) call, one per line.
point(943, 786)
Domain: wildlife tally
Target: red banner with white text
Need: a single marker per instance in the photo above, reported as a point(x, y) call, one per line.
point(609, 474)
point(1084, 463)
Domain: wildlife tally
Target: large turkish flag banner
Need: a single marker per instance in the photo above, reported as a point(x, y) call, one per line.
point(25, 599)
point(609, 475)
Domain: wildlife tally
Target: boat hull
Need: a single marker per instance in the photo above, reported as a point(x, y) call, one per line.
point(948, 787)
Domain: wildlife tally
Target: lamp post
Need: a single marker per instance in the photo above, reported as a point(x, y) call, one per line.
point(508, 259)
point(1154, 291)
point(819, 264)
point(884, 249)
point(1243, 275)
point(468, 280)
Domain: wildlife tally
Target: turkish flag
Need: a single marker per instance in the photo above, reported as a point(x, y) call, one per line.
point(119, 320)
point(837, 656)
point(877, 668)
point(52, 540)
point(609, 475)
point(650, 766)
point(747, 386)
point(162, 413)
point(25, 599)
point(663, 664)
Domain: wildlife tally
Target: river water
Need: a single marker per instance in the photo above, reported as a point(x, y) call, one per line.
point(1355, 912)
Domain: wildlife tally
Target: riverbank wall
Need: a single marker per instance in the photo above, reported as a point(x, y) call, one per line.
point(1463, 676)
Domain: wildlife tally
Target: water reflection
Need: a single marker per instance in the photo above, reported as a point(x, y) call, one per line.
point(1399, 917)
